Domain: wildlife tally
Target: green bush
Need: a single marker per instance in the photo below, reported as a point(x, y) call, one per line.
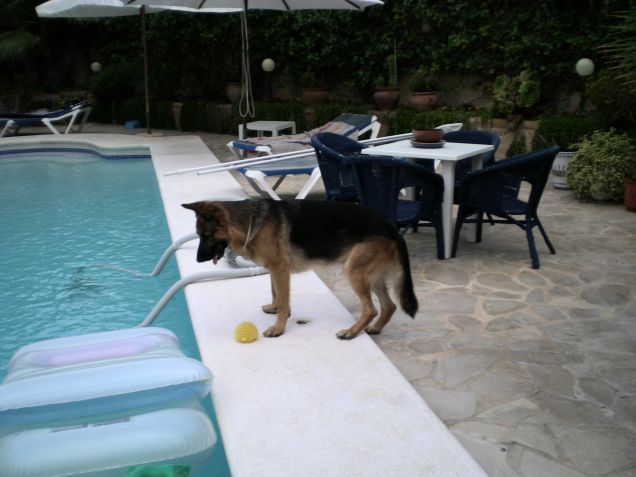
point(600, 165)
point(420, 81)
point(517, 146)
point(514, 94)
point(115, 81)
point(614, 103)
point(403, 119)
point(564, 130)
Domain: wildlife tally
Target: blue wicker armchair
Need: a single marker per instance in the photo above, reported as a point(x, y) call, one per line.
point(487, 191)
point(332, 152)
point(380, 180)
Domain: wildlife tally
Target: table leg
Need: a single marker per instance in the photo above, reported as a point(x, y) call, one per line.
point(448, 174)
point(470, 230)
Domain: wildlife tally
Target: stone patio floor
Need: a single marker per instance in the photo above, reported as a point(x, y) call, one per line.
point(534, 371)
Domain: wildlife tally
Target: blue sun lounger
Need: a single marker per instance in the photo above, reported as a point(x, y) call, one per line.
point(352, 125)
point(75, 116)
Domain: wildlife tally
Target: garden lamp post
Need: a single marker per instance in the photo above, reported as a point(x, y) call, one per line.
point(584, 68)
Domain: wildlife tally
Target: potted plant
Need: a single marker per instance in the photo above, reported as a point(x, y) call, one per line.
point(425, 91)
point(422, 131)
point(599, 167)
point(630, 191)
point(566, 131)
point(387, 95)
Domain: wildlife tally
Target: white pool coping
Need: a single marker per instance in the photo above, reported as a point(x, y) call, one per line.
point(305, 403)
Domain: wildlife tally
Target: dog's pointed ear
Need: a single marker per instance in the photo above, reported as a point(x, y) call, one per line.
point(196, 206)
point(208, 210)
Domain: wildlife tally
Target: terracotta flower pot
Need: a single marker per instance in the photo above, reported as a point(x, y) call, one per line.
point(423, 101)
point(427, 135)
point(386, 98)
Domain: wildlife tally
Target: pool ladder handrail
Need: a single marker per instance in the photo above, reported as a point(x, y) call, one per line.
point(245, 268)
point(199, 277)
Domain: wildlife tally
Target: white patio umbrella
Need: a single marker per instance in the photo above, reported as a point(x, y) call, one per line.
point(246, 106)
point(111, 8)
point(99, 9)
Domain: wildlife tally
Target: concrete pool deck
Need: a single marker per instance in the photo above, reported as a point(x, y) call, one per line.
point(305, 402)
point(533, 370)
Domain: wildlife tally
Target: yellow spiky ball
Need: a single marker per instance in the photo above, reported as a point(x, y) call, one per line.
point(246, 332)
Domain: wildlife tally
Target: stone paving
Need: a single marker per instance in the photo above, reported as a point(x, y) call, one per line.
point(534, 371)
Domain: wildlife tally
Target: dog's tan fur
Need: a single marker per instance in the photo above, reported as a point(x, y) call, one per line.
point(263, 236)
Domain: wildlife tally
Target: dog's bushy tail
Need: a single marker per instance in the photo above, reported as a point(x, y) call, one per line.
point(408, 300)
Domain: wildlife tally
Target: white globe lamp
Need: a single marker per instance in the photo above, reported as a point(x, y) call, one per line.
point(584, 67)
point(268, 65)
point(96, 67)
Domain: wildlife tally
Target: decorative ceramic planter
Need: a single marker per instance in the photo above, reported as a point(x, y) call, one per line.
point(386, 98)
point(560, 169)
point(423, 101)
point(233, 92)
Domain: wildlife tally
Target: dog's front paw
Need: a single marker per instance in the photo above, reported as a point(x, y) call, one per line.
point(273, 331)
point(347, 334)
point(270, 308)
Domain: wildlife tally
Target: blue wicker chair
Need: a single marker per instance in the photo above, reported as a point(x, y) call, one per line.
point(473, 137)
point(379, 181)
point(487, 191)
point(332, 152)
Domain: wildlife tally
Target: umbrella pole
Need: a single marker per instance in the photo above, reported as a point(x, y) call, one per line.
point(142, 12)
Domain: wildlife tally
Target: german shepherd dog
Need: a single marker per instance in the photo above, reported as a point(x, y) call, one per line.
point(286, 236)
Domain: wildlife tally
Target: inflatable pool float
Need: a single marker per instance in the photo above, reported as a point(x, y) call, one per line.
point(98, 374)
point(179, 436)
point(102, 403)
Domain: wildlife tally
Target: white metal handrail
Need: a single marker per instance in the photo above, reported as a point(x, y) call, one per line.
point(273, 158)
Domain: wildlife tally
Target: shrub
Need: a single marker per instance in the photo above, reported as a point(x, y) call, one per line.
point(403, 119)
point(564, 130)
point(420, 81)
point(421, 121)
point(513, 94)
point(115, 81)
point(517, 146)
point(614, 103)
point(600, 165)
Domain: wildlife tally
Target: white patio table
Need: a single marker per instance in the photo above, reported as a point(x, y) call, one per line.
point(448, 157)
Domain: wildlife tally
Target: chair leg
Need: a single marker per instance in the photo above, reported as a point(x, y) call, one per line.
point(531, 245)
point(259, 178)
point(545, 235)
point(480, 226)
point(311, 182)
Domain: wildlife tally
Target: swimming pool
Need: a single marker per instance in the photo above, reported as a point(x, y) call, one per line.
point(67, 211)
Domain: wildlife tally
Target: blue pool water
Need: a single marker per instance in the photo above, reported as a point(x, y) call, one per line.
point(63, 215)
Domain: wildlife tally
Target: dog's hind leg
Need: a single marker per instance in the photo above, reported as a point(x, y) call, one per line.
point(387, 307)
point(356, 267)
